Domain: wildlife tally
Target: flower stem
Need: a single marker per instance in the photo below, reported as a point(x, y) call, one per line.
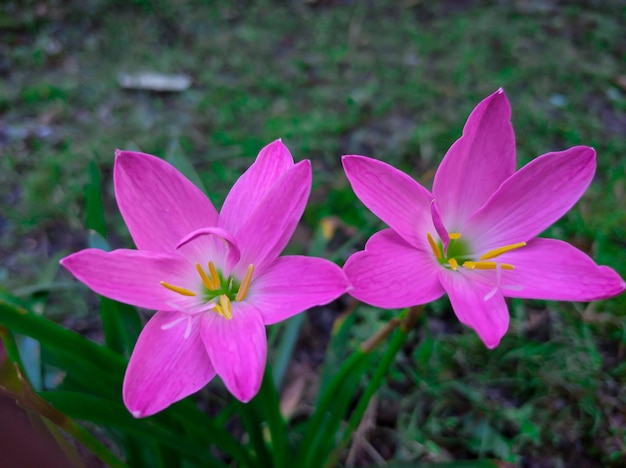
point(405, 323)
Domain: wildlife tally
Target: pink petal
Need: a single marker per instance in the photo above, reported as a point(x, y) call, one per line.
point(551, 269)
point(248, 192)
point(210, 245)
point(532, 199)
point(477, 163)
point(488, 318)
point(165, 366)
point(158, 203)
point(237, 348)
point(266, 232)
point(439, 226)
point(399, 201)
point(293, 284)
point(391, 274)
point(131, 276)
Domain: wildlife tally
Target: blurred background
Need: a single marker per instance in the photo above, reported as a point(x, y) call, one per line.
point(208, 84)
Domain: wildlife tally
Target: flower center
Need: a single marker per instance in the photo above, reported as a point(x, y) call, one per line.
point(458, 253)
point(217, 290)
point(452, 251)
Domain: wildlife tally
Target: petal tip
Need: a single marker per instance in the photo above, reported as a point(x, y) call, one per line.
point(492, 344)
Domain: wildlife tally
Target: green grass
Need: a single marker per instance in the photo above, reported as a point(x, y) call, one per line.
point(382, 79)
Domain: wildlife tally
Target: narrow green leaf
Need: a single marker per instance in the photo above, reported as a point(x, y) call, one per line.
point(176, 157)
point(96, 241)
point(267, 406)
point(111, 414)
point(286, 344)
point(20, 320)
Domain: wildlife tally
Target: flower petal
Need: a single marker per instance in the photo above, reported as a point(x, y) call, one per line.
point(266, 232)
point(293, 284)
point(390, 273)
point(271, 163)
point(488, 318)
point(477, 163)
point(551, 269)
point(532, 199)
point(237, 348)
point(131, 276)
point(165, 366)
point(158, 203)
point(398, 200)
point(210, 245)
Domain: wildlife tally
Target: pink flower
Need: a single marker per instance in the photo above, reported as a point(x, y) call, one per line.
point(473, 237)
point(216, 280)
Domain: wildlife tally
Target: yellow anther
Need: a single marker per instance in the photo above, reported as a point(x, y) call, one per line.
point(499, 251)
point(453, 263)
point(223, 308)
point(487, 265)
point(177, 289)
point(455, 235)
point(245, 284)
point(215, 279)
point(434, 246)
point(205, 279)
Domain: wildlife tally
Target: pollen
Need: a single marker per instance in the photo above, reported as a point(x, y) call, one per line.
point(177, 289)
point(455, 235)
point(434, 246)
point(245, 284)
point(500, 250)
point(487, 265)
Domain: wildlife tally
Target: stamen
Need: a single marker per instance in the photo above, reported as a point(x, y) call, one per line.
point(499, 251)
point(487, 265)
point(455, 235)
point(214, 276)
point(453, 264)
point(245, 284)
point(223, 308)
point(205, 279)
point(177, 289)
point(434, 246)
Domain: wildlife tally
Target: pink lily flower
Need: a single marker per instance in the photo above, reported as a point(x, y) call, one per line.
point(215, 279)
point(474, 236)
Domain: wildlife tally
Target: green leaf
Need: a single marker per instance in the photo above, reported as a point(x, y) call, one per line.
point(112, 414)
point(121, 324)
